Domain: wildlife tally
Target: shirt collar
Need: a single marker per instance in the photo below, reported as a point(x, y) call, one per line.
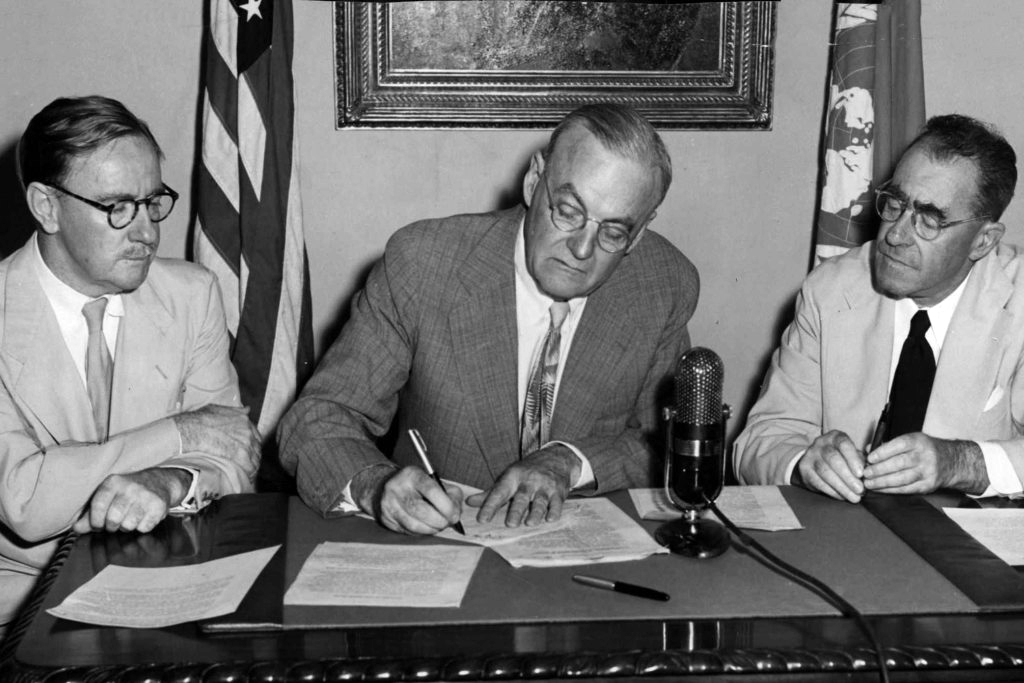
point(65, 299)
point(939, 315)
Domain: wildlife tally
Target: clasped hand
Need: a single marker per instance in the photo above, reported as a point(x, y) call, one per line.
point(911, 463)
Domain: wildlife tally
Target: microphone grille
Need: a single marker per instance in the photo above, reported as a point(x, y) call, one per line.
point(699, 377)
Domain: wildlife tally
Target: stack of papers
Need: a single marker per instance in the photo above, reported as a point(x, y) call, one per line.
point(761, 508)
point(998, 529)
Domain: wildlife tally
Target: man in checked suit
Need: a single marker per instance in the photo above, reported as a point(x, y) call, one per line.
point(451, 335)
point(954, 386)
point(118, 401)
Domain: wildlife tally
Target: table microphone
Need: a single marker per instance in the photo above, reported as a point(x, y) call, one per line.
point(694, 457)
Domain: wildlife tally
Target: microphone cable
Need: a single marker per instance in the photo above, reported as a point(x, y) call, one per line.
point(811, 583)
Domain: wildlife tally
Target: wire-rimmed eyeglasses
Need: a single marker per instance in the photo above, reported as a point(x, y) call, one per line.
point(611, 237)
point(926, 223)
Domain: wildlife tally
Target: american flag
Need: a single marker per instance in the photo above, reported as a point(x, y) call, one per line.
point(249, 213)
point(875, 108)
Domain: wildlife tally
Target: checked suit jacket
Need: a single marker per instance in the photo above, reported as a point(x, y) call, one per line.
point(432, 340)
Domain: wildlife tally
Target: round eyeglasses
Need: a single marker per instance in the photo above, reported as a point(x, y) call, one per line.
point(121, 213)
point(611, 237)
point(927, 224)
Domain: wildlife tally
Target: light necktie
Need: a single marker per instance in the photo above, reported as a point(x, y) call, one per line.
point(540, 392)
point(99, 367)
point(912, 383)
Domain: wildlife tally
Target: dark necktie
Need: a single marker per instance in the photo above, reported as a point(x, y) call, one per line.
point(540, 392)
point(912, 383)
point(99, 367)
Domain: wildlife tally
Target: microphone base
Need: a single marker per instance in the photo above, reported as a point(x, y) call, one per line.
point(696, 537)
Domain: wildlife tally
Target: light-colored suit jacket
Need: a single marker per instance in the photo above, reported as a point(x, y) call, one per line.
point(832, 368)
point(433, 338)
point(171, 357)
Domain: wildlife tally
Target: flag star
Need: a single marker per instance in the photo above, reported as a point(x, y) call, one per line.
point(252, 9)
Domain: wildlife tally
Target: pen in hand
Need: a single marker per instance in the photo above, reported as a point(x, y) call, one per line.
point(421, 448)
point(880, 429)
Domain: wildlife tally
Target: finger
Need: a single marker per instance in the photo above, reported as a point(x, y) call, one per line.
point(82, 525)
point(475, 500)
point(892, 464)
point(443, 502)
point(99, 504)
point(538, 510)
point(555, 508)
point(153, 515)
point(852, 457)
point(494, 500)
point(824, 478)
point(517, 509)
point(132, 516)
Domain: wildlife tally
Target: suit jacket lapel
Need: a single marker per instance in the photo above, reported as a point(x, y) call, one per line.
point(42, 370)
point(484, 337)
point(147, 359)
point(970, 360)
point(857, 349)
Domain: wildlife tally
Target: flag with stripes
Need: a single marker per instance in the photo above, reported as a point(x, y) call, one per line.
point(875, 108)
point(249, 213)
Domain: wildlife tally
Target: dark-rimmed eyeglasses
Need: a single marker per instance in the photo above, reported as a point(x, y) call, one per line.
point(611, 237)
point(121, 213)
point(926, 223)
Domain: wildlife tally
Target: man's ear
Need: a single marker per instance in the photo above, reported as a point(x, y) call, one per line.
point(42, 202)
point(532, 176)
point(986, 240)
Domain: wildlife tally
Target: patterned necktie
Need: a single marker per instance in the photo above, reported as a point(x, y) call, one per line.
point(99, 367)
point(540, 393)
point(912, 383)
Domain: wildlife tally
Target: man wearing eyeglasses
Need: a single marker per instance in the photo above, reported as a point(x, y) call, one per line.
point(901, 370)
point(118, 401)
point(527, 346)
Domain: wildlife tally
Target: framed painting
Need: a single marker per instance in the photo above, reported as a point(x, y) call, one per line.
point(526, 63)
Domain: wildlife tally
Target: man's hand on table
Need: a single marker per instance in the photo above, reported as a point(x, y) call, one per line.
point(223, 431)
point(534, 487)
point(406, 500)
point(136, 501)
point(918, 463)
point(832, 465)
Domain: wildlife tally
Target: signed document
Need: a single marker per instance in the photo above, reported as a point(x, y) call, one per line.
point(384, 575)
point(761, 508)
point(590, 530)
point(154, 597)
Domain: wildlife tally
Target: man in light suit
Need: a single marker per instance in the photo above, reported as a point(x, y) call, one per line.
point(160, 426)
point(447, 333)
point(938, 251)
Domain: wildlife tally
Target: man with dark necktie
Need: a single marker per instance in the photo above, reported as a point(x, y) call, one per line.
point(901, 370)
point(118, 402)
point(527, 346)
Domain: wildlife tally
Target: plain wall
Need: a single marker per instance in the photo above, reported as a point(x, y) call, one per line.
point(741, 207)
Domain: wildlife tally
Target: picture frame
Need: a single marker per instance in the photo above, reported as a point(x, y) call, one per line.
point(525, 64)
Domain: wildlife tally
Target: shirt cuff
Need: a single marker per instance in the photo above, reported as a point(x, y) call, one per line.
point(792, 466)
point(1002, 477)
point(586, 477)
point(346, 505)
point(188, 503)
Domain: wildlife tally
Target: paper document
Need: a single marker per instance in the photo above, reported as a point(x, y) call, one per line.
point(761, 508)
point(590, 530)
point(998, 529)
point(154, 597)
point(384, 575)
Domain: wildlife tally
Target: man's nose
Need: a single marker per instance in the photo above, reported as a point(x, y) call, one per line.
point(583, 242)
point(901, 231)
point(143, 228)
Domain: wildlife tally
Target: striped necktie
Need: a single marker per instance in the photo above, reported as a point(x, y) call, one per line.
point(540, 392)
point(99, 367)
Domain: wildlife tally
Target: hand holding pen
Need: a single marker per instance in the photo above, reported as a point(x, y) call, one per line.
point(421, 449)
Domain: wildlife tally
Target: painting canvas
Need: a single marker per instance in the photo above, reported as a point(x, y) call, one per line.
point(525, 63)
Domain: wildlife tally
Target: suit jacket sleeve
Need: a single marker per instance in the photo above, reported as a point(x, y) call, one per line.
point(328, 434)
point(787, 416)
point(46, 479)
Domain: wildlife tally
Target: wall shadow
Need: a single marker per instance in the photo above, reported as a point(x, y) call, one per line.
point(15, 218)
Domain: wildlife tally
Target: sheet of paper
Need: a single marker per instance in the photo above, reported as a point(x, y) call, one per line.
point(998, 529)
point(761, 508)
point(384, 575)
point(145, 597)
point(590, 530)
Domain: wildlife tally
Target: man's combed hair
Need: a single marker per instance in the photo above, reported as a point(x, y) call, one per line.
point(72, 127)
point(955, 136)
point(623, 130)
